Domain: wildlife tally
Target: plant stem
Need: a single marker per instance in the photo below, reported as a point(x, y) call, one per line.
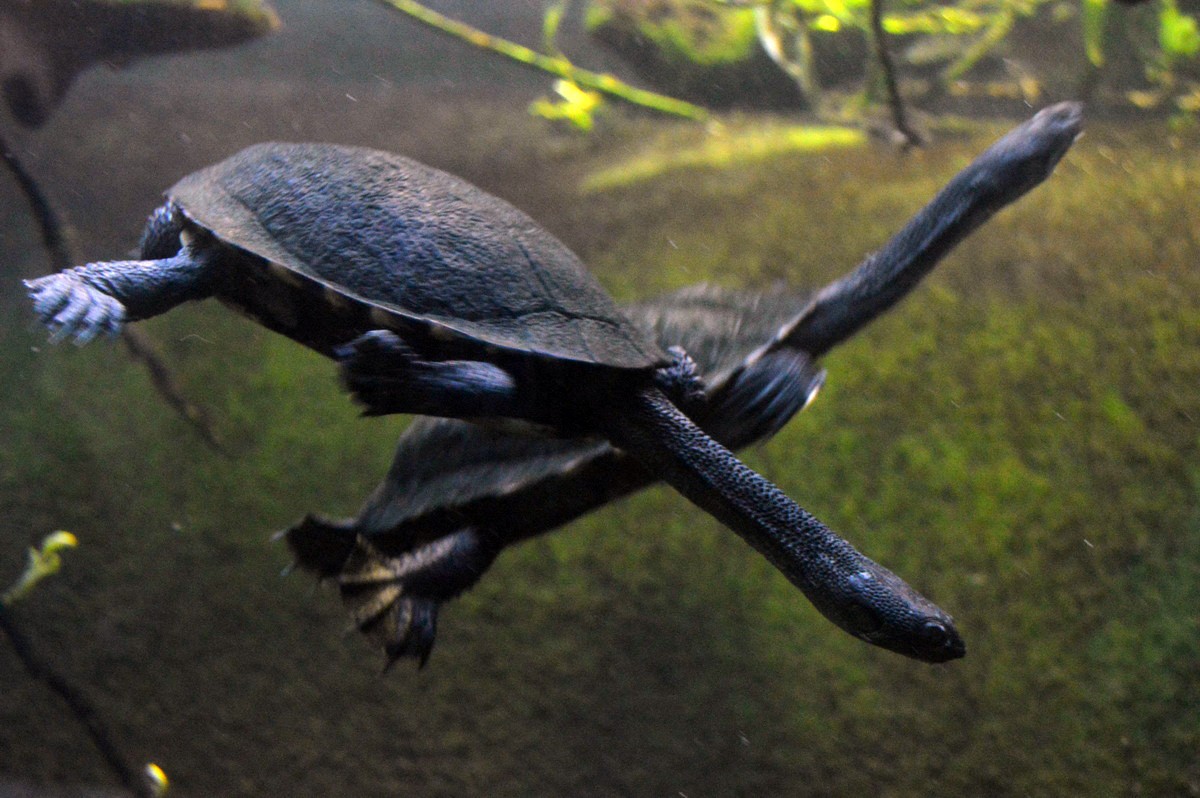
point(1000, 27)
point(555, 65)
point(895, 101)
point(83, 711)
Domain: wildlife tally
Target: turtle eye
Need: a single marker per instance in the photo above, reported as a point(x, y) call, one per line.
point(934, 633)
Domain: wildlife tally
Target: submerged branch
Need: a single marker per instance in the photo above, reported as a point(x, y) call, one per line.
point(54, 237)
point(884, 56)
point(555, 65)
point(84, 712)
point(141, 348)
point(138, 344)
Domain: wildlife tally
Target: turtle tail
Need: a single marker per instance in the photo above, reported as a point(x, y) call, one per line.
point(321, 546)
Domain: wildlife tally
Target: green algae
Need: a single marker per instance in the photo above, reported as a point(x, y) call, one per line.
point(683, 31)
point(692, 48)
point(723, 148)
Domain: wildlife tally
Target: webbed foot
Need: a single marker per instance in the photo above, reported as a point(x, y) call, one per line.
point(386, 375)
point(760, 399)
point(394, 600)
point(406, 626)
point(373, 367)
point(73, 308)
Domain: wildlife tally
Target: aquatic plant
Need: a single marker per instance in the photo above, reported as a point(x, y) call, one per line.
point(944, 43)
point(574, 105)
point(692, 31)
point(960, 36)
point(556, 64)
point(1165, 42)
point(723, 147)
point(718, 51)
point(44, 561)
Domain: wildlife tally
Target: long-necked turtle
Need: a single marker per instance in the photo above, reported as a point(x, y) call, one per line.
point(457, 494)
point(457, 304)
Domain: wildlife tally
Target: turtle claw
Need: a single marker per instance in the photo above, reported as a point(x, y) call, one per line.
point(403, 624)
point(409, 630)
point(394, 599)
point(72, 308)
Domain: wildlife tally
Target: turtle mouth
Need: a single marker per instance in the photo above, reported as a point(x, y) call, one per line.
point(951, 650)
point(938, 641)
point(935, 642)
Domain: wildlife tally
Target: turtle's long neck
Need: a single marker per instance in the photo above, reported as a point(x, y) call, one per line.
point(855, 593)
point(1002, 174)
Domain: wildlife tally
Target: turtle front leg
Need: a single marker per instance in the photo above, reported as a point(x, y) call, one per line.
point(99, 298)
point(387, 376)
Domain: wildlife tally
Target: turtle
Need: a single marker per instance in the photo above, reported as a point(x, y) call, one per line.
point(437, 298)
point(457, 494)
point(45, 45)
point(440, 299)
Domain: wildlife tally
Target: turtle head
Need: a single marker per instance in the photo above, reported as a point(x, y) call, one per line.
point(1028, 154)
point(875, 605)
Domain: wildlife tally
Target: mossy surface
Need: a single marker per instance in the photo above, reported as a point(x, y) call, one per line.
point(683, 30)
point(1019, 439)
point(693, 48)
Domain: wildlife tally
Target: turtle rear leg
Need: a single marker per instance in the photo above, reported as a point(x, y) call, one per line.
point(760, 399)
point(393, 599)
point(99, 298)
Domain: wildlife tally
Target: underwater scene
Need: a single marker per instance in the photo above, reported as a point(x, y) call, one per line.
point(862, 457)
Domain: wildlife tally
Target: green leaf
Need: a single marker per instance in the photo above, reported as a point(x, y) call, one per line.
point(550, 25)
point(42, 563)
point(1094, 14)
point(1178, 34)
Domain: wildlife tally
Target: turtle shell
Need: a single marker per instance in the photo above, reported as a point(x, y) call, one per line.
point(414, 246)
point(723, 330)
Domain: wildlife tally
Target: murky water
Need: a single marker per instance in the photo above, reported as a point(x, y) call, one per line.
point(1018, 439)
